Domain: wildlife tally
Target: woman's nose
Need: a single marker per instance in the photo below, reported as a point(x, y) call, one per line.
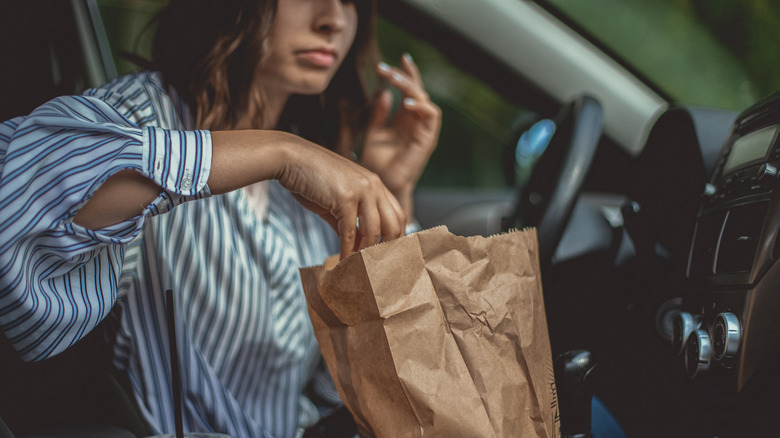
point(330, 16)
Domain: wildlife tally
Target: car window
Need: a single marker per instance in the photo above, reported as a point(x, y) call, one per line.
point(701, 52)
point(478, 123)
point(129, 26)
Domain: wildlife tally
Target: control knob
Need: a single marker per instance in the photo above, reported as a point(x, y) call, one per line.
point(726, 335)
point(683, 325)
point(697, 353)
point(767, 174)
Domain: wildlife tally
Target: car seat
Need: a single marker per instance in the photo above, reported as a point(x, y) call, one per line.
point(72, 394)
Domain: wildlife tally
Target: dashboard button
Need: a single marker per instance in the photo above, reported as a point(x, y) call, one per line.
point(683, 325)
point(767, 174)
point(726, 334)
point(697, 353)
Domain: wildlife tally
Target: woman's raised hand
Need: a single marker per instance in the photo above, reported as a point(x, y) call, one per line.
point(340, 191)
point(398, 149)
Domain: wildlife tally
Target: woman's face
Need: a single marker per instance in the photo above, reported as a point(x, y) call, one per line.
point(308, 43)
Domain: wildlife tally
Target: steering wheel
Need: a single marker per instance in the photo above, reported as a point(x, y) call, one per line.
point(547, 200)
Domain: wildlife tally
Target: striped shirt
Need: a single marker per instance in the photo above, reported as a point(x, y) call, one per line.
point(246, 345)
point(57, 279)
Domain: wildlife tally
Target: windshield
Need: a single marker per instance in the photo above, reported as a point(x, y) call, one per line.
point(717, 53)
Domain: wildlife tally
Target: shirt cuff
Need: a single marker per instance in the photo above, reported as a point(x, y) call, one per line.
point(178, 161)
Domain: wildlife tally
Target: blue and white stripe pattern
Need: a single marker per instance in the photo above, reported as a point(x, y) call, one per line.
point(246, 345)
point(57, 279)
point(247, 348)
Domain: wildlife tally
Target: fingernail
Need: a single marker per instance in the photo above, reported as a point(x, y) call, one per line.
point(410, 101)
point(383, 66)
point(398, 77)
point(408, 58)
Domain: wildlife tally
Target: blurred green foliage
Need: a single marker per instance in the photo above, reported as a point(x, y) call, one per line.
point(749, 29)
point(720, 53)
point(129, 25)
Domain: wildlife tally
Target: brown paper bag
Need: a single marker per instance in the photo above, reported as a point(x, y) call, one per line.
point(437, 335)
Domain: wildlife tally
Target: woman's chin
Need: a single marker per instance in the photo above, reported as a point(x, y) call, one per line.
point(313, 90)
point(313, 83)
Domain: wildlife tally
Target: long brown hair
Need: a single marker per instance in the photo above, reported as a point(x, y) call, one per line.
point(209, 50)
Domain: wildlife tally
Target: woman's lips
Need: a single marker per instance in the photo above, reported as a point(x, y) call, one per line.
point(318, 57)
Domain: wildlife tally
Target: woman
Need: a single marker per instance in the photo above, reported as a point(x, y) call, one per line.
point(230, 73)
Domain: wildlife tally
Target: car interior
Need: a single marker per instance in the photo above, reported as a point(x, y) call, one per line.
point(657, 218)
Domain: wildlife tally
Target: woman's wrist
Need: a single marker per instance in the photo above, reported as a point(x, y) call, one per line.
point(406, 200)
point(242, 158)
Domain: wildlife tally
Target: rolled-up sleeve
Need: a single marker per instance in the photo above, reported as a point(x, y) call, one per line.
point(58, 280)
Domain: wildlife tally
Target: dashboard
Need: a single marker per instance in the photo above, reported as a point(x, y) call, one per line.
point(725, 331)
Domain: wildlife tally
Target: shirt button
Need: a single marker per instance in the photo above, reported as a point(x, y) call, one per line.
point(186, 183)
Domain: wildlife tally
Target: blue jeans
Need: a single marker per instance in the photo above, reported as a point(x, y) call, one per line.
point(602, 423)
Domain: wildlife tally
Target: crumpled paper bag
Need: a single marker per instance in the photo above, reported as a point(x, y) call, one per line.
point(438, 335)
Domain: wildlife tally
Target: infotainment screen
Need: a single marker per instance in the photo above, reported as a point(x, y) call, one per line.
point(750, 147)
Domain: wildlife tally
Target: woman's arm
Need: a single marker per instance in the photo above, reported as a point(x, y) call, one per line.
point(337, 189)
point(124, 195)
